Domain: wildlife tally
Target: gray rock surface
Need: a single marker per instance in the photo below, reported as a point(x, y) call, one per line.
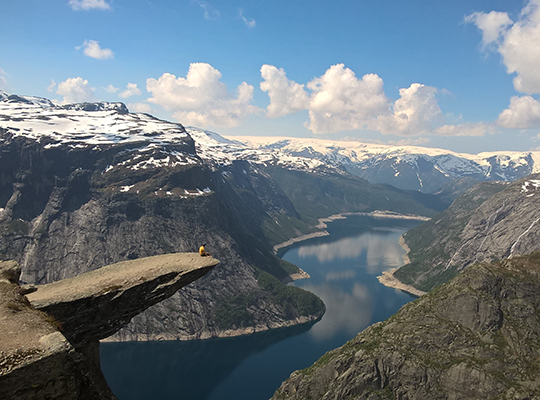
point(476, 337)
point(94, 305)
point(491, 221)
point(36, 360)
point(50, 342)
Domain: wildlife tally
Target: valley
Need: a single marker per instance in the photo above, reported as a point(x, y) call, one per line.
point(87, 185)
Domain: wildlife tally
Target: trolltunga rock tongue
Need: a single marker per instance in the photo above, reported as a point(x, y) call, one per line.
point(95, 305)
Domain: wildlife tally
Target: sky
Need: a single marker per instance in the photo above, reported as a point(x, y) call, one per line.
point(461, 75)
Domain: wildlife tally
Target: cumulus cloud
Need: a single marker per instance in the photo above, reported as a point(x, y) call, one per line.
point(92, 49)
point(140, 107)
point(523, 113)
point(250, 23)
point(493, 25)
point(286, 96)
point(341, 101)
point(516, 42)
point(89, 4)
point(132, 90)
point(75, 90)
point(412, 114)
point(52, 86)
point(111, 89)
point(201, 99)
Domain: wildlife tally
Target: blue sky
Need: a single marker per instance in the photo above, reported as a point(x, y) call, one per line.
point(461, 75)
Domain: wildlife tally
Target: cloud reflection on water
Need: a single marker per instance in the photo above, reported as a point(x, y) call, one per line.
point(347, 313)
point(379, 252)
point(339, 275)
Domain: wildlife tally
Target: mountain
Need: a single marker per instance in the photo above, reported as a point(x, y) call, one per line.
point(407, 167)
point(491, 221)
point(476, 337)
point(91, 184)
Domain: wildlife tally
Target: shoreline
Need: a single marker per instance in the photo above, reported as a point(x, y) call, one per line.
point(301, 274)
point(218, 334)
point(389, 280)
point(323, 221)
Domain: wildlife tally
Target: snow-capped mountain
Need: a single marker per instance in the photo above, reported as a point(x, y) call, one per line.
point(148, 142)
point(407, 167)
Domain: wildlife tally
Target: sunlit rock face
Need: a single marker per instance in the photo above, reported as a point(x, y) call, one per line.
point(88, 185)
point(491, 221)
point(476, 337)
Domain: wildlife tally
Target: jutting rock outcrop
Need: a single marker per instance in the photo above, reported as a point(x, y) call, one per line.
point(88, 185)
point(475, 337)
point(49, 347)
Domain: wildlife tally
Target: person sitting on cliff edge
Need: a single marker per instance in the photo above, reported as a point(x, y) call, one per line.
point(203, 252)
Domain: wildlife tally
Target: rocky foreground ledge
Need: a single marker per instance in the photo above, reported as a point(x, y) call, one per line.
point(49, 339)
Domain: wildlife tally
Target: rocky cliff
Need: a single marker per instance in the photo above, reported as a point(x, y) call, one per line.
point(491, 221)
point(50, 339)
point(83, 186)
point(476, 337)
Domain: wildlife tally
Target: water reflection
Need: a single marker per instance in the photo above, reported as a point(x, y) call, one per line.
point(343, 269)
point(340, 276)
point(375, 248)
point(347, 313)
point(181, 370)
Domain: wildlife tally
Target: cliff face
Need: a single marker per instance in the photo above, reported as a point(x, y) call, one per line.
point(476, 337)
point(84, 186)
point(50, 339)
point(491, 221)
point(67, 212)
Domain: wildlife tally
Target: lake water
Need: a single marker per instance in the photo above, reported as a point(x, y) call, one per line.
point(343, 266)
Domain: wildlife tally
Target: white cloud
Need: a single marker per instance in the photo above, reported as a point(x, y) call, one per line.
point(52, 86)
point(466, 129)
point(412, 114)
point(517, 42)
point(250, 23)
point(341, 101)
point(3, 80)
point(132, 90)
point(417, 141)
point(92, 49)
point(493, 25)
point(75, 90)
point(522, 113)
point(140, 107)
point(286, 96)
point(89, 4)
point(210, 12)
point(200, 98)
point(111, 89)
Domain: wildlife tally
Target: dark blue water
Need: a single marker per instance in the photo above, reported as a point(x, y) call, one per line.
point(343, 266)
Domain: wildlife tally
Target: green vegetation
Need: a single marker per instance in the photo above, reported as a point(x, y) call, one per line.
point(282, 227)
point(306, 303)
point(289, 267)
point(234, 313)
